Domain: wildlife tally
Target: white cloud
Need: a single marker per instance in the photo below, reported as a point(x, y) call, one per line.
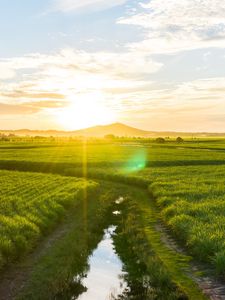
point(117, 65)
point(177, 25)
point(119, 81)
point(6, 72)
point(77, 5)
point(123, 76)
point(71, 73)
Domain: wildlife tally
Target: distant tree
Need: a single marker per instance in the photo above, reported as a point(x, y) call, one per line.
point(179, 139)
point(4, 137)
point(109, 136)
point(160, 140)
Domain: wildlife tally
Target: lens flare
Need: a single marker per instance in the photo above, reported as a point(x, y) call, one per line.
point(137, 162)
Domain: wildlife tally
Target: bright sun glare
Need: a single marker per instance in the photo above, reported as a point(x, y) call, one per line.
point(85, 113)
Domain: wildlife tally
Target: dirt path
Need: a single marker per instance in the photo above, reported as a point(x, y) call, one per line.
point(212, 288)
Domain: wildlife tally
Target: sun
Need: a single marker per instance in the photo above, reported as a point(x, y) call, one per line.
point(85, 112)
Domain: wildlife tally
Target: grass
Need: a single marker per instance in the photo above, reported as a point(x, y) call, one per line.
point(119, 152)
point(31, 205)
point(186, 181)
point(192, 204)
point(53, 274)
point(175, 264)
point(138, 253)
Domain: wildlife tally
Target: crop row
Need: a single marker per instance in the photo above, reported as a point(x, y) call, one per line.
point(187, 183)
point(30, 205)
point(192, 202)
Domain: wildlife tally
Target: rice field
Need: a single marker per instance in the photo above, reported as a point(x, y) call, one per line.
point(31, 204)
point(185, 182)
point(192, 204)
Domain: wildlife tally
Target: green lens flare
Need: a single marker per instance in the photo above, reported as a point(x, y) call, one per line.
point(137, 162)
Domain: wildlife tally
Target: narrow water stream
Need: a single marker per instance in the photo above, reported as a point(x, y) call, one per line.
point(104, 280)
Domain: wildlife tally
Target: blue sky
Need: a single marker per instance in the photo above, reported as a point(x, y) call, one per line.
point(34, 26)
point(155, 64)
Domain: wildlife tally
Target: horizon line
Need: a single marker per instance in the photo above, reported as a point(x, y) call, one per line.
point(111, 124)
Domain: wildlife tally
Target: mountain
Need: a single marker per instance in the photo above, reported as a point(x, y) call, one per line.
point(117, 129)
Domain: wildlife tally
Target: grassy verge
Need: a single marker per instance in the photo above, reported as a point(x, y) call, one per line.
point(146, 275)
point(167, 269)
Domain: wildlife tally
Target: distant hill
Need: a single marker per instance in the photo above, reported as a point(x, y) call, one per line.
point(116, 129)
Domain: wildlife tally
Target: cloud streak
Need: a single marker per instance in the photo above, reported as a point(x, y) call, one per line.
point(66, 6)
point(29, 108)
point(71, 73)
point(13, 109)
point(119, 81)
point(23, 94)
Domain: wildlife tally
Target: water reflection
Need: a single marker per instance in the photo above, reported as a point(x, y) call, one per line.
point(119, 200)
point(117, 212)
point(104, 280)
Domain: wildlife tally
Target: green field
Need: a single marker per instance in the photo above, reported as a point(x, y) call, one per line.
point(181, 186)
point(31, 204)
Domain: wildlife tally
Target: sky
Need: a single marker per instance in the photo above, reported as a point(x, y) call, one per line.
point(155, 64)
